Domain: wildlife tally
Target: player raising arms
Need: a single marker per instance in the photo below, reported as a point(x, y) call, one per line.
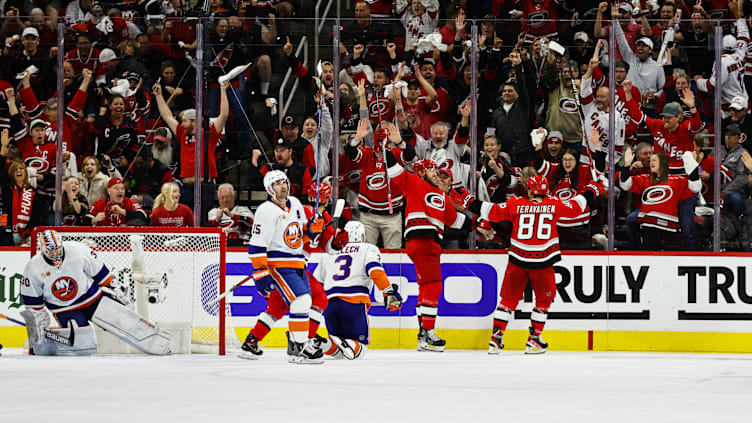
point(347, 280)
point(427, 211)
point(276, 250)
point(68, 279)
point(534, 248)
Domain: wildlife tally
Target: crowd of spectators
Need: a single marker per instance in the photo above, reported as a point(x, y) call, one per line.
point(129, 118)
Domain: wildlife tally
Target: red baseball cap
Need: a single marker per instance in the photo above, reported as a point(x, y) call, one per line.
point(113, 182)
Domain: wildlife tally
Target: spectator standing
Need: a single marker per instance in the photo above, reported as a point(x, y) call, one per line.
point(511, 120)
point(93, 181)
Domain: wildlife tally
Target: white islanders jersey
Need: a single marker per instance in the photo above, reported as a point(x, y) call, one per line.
point(277, 235)
point(75, 284)
point(349, 274)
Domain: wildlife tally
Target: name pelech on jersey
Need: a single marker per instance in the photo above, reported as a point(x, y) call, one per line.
point(348, 275)
point(277, 235)
point(75, 284)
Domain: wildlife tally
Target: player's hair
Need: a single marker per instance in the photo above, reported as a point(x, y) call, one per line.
point(662, 175)
point(12, 173)
point(164, 196)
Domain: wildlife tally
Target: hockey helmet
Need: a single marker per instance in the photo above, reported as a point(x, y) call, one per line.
point(52, 246)
point(729, 42)
point(537, 185)
point(273, 177)
point(356, 232)
point(324, 191)
point(422, 165)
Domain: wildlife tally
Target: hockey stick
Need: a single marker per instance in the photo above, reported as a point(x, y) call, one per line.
point(232, 288)
point(318, 144)
point(47, 333)
point(339, 207)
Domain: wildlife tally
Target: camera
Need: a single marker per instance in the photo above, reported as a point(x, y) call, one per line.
point(154, 292)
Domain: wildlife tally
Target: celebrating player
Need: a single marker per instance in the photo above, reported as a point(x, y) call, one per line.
point(347, 280)
point(534, 248)
point(68, 279)
point(276, 250)
point(426, 213)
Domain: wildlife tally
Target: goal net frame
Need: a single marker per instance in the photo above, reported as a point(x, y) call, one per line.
point(99, 231)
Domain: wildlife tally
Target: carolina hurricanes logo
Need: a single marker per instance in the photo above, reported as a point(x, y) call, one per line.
point(354, 176)
point(39, 163)
point(293, 235)
point(377, 108)
point(657, 194)
point(537, 19)
point(565, 194)
point(567, 105)
point(64, 289)
point(376, 181)
point(435, 200)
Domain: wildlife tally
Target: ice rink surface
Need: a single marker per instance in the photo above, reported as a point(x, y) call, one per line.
point(384, 386)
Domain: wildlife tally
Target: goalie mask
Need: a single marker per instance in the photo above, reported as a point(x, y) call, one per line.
point(273, 177)
point(51, 246)
point(356, 232)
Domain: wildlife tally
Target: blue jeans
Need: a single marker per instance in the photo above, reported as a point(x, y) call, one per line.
point(734, 203)
point(236, 97)
point(633, 230)
point(687, 221)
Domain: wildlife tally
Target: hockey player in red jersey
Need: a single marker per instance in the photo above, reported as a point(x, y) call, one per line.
point(534, 248)
point(427, 211)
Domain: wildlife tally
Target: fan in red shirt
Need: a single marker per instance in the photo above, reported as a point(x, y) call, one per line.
point(116, 209)
point(533, 251)
point(167, 209)
point(427, 211)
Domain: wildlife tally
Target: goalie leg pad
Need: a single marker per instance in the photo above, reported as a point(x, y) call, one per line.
point(85, 342)
point(37, 321)
point(131, 328)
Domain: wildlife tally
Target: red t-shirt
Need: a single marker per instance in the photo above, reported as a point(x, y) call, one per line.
point(188, 152)
point(180, 217)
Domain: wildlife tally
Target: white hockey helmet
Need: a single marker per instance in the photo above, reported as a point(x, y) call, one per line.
point(271, 178)
point(729, 42)
point(52, 246)
point(356, 232)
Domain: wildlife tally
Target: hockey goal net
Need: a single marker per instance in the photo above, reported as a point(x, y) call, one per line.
point(171, 274)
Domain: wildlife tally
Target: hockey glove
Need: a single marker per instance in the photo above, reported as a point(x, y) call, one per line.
point(340, 240)
point(315, 226)
point(392, 298)
point(596, 188)
point(484, 227)
point(264, 282)
point(461, 196)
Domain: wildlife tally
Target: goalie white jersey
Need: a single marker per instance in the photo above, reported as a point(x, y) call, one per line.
point(73, 285)
point(277, 235)
point(348, 275)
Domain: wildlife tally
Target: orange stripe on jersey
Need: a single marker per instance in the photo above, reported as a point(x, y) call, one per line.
point(287, 264)
point(283, 286)
point(107, 281)
point(298, 326)
point(379, 277)
point(259, 262)
point(358, 299)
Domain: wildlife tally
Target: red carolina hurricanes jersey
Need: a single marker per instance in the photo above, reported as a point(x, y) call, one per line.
point(428, 209)
point(373, 181)
point(534, 243)
point(660, 202)
point(565, 191)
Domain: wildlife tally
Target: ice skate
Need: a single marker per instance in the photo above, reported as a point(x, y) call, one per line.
point(308, 353)
point(431, 342)
point(535, 345)
point(421, 336)
point(250, 349)
point(496, 344)
point(343, 346)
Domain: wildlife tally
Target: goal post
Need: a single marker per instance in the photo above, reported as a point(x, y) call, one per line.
point(171, 274)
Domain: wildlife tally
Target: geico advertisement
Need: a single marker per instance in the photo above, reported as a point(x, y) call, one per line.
point(594, 292)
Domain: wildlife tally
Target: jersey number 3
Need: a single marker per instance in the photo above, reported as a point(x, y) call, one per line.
point(345, 262)
point(529, 222)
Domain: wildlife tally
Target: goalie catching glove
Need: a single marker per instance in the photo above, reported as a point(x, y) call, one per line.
point(392, 298)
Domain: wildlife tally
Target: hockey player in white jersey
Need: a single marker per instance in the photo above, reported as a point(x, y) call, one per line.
point(69, 280)
point(276, 251)
point(732, 63)
point(347, 278)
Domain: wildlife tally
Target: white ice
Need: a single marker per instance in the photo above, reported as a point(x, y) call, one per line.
point(384, 386)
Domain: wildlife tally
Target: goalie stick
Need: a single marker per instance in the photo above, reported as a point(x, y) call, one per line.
point(67, 341)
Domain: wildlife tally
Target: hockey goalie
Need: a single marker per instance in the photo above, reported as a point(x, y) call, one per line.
point(68, 279)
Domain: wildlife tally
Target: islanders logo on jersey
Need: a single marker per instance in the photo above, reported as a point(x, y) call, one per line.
point(293, 235)
point(64, 288)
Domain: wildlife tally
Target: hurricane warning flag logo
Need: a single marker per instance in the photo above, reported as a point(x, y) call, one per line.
point(293, 235)
point(65, 289)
